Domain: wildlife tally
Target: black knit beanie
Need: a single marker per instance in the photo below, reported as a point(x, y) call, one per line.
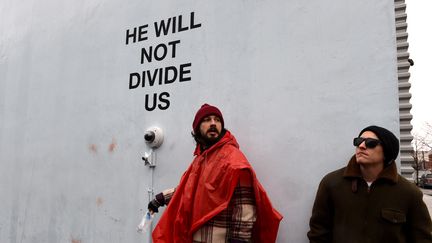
point(389, 142)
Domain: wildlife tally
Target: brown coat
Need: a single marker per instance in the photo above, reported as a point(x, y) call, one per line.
point(391, 210)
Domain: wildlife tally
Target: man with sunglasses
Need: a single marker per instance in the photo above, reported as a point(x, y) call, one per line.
point(368, 201)
point(219, 198)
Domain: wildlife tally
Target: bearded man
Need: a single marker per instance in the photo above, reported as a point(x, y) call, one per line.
point(219, 198)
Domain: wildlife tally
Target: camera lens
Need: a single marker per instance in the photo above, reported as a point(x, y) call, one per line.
point(149, 136)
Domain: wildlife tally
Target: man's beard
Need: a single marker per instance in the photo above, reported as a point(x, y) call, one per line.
point(209, 141)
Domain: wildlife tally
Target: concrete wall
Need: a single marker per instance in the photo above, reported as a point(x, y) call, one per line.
point(296, 81)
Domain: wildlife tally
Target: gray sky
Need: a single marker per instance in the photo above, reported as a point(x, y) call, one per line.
point(420, 49)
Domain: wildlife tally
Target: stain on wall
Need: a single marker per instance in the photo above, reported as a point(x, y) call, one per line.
point(93, 148)
point(112, 146)
point(99, 201)
point(75, 240)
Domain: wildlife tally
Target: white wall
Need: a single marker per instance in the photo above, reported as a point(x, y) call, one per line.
point(295, 80)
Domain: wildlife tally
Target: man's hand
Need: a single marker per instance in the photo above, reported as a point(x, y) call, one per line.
point(153, 206)
point(158, 201)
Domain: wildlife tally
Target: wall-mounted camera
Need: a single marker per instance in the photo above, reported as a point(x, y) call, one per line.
point(153, 137)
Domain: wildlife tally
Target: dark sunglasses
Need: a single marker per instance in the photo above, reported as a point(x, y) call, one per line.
point(369, 142)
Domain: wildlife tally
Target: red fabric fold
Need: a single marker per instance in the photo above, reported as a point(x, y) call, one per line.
point(205, 190)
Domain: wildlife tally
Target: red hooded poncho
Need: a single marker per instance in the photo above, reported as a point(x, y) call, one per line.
point(205, 190)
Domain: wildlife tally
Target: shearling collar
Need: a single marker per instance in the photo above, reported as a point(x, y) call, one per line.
point(353, 171)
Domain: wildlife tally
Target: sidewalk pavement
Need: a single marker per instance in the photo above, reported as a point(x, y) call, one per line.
point(428, 201)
